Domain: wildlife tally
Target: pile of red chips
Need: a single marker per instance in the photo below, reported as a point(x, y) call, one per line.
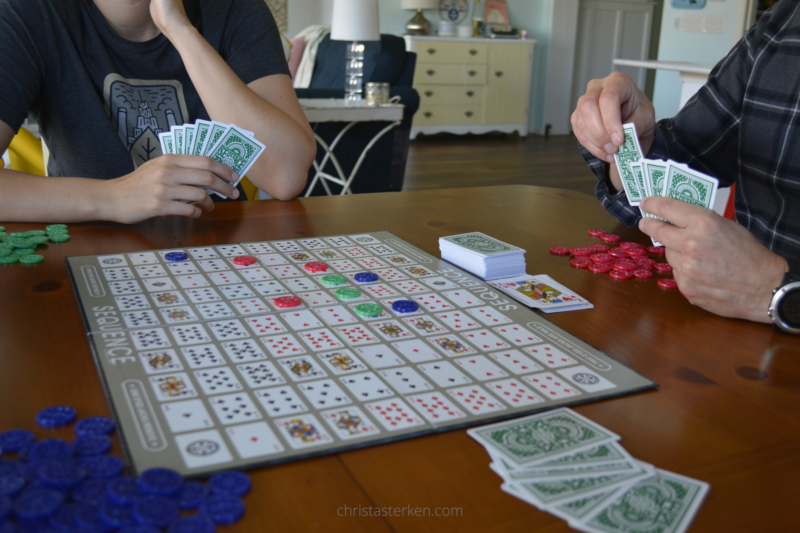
point(627, 261)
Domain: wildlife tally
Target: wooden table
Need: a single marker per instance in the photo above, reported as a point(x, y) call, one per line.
point(727, 411)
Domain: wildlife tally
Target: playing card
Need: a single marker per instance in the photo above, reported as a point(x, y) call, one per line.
point(440, 283)
point(167, 299)
point(177, 135)
point(254, 440)
point(514, 393)
point(257, 248)
point(390, 274)
point(370, 263)
point(135, 319)
point(303, 431)
point(517, 334)
point(282, 345)
point(481, 368)
point(355, 335)
point(159, 361)
point(260, 374)
point(337, 315)
point(269, 288)
point(203, 356)
point(203, 253)
point(444, 373)
point(300, 320)
point(344, 265)
point(435, 407)
point(391, 329)
point(425, 325)
point(405, 380)
point(416, 271)
point(299, 257)
point(150, 271)
point(324, 393)
point(317, 298)
point(410, 287)
point(284, 271)
point(339, 241)
point(125, 287)
point(398, 260)
point(186, 267)
point(155, 284)
point(172, 386)
point(118, 274)
point(320, 339)
point(189, 334)
point(144, 339)
point(237, 150)
point(201, 130)
point(250, 306)
point(629, 152)
point(270, 260)
point(265, 325)
point(489, 316)
point(302, 368)
point(380, 249)
point(224, 278)
point(480, 244)
point(234, 408)
point(462, 298)
point(203, 449)
point(450, 345)
point(215, 310)
point(287, 246)
point(312, 244)
point(458, 320)
point(203, 295)
point(516, 362)
point(382, 316)
point(432, 302)
point(131, 302)
point(231, 250)
point(416, 351)
point(394, 414)
point(540, 292)
point(366, 386)
point(301, 285)
point(690, 186)
point(217, 380)
point(349, 423)
point(187, 415)
point(175, 315)
point(551, 386)
point(235, 292)
point(380, 290)
point(586, 379)
point(550, 356)
point(485, 340)
point(254, 274)
point(116, 260)
point(187, 282)
point(280, 401)
point(379, 356)
point(143, 258)
point(328, 255)
point(225, 330)
point(342, 362)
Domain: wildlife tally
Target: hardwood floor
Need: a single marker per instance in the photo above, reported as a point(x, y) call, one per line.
point(451, 161)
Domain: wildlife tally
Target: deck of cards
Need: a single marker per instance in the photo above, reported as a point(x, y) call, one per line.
point(568, 466)
point(646, 177)
point(542, 293)
point(483, 256)
point(226, 143)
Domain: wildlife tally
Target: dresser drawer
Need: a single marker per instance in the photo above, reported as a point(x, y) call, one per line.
point(457, 115)
point(436, 53)
point(449, 74)
point(450, 95)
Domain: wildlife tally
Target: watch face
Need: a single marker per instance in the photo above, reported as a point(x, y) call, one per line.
point(789, 309)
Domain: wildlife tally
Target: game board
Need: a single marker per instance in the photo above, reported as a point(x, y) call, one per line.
point(204, 372)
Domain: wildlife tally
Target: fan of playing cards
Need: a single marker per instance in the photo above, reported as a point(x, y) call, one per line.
point(568, 466)
point(226, 143)
point(645, 177)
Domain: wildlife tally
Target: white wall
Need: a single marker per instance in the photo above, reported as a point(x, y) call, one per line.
point(303, 13)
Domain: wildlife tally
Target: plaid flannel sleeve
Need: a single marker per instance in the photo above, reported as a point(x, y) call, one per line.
point(615, 203)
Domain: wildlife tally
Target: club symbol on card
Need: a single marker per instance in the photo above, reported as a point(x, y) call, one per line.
point(202, 448)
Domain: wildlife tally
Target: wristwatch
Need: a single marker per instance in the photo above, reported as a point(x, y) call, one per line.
point(784, 309)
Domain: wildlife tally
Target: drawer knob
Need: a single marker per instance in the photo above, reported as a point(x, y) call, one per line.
point(431, 51)
point(469, 113)
point(430, 72)
point(428, 93)
point(428, 114)
point(472, 73)
point(473, 52)
point(470, 94)
point(499, 73)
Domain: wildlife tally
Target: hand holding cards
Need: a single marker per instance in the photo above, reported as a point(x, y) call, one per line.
point(226, 143)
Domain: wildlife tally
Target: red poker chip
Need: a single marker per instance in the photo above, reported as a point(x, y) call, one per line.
point(610, 237)
point(244, 260)
point(636, 252)
point(559, 250)
point(600, 268)
point(599, 248)
point(662, 267)
point(625, 264)
point(642, 261)
point(315, 267)
point(619, 253)
point(597, 232)
point(657, 250)
point(627, 245)
point(285, 302)
point(643, 266)
point(580, 262)
point(581, 251)
point(668, 283)
point(643, 273)
point(621, 274)
point(601, 258)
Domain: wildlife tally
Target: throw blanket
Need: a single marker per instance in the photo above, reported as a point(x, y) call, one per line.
point(312, 35)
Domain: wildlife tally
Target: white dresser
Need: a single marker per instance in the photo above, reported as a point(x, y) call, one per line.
point(471, 85)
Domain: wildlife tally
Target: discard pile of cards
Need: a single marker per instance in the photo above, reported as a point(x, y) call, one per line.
point(642, 177)
point(483, 256)
point(541, 292)
point(568, 466)
point(226, 143)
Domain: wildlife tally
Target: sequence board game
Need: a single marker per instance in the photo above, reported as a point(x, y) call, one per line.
point(207, 369)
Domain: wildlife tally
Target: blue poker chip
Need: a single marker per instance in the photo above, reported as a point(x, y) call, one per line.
point(156, 511)
point(91, 492)
point(37, 503)
point(89, 445)
point(12, 468)
point(192, 495)
point(116, 515)
point(161, 482)
point(138, 529)
point(95, 425)
point(405, 306)
point(231, 483)
point(176, 256)
point(192, 524)
point(51, 450)
point(59, 475)
point(8, 527)
point(16, 440)
point(5, 507)
point(222, 509)
point(55, 417)
point(88, 519)
point(366, 277)
point(124, 490)
point(65, 518)
point(101, 466)
point(11, 485)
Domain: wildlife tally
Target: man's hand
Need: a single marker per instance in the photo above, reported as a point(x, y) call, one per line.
point(607, 105)
point(168, 16)
point(717, 263)
point(162, 187)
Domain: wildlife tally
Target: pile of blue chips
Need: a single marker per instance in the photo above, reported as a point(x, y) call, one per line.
point(54, 486)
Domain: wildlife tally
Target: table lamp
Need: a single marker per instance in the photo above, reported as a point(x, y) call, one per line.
point(355, 20)
point(419, 25)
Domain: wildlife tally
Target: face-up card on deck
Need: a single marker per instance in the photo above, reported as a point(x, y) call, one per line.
point(630, 152)
point(540, 292)
point(166, 299)
point(354, 251)
point(485, 340)
point(213, 265)
point(226, 330)
point(184, 267)
point(336, 315)
point(371, 263)
point(203, 295)
point(204, 252)
point(238, 291)
point(250, 306)
point(380, 290)
point(116, 274)
point(317, 298)
point(349, 423)
point(176, 315)
point(299, 257)
point(432, 302)
point(416, 271)
point(125, 287)
point(328, 255)
point(425, 325)
point(190, 334)
point(390, 274)
point(344, 265)
point(410, 287)
point(269, 288)
point(339, 241)
point(145, 339)
point(313, 244)
point(284, 271)
point(143, 258)
point(160, 284)
point(215, 310)
point(137, 319)
point(131, 302)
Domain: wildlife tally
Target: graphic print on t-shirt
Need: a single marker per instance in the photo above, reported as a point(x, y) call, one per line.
point(141, 109)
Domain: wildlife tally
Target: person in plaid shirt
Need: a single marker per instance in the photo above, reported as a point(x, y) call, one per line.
point(742, 127)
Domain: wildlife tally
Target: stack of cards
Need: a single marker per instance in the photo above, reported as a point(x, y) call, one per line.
point(483, 256)
point(568, 466)
point(541, 292)
point(226, 143)
point(645, 177)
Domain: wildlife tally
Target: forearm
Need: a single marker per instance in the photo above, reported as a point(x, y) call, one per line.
point(29, 198)
point(289, 142)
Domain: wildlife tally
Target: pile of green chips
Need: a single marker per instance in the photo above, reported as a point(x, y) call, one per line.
point(20, 247)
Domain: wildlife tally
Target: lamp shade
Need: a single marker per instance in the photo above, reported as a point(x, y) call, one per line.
point(355, 20)
point(419, 4)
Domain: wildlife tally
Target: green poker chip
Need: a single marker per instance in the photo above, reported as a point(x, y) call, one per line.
point(39, 240)
point(348, 293)
point(21, 252)
point(3, 237)
point(8, 259)
point(369, 309)
point(32, 259)
point(5, 249)
point(16, 235)
point(59, 237)
point(18, 242)
point(333, 279)
point(2, 229)
point(56, 227)
point(35, 233)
